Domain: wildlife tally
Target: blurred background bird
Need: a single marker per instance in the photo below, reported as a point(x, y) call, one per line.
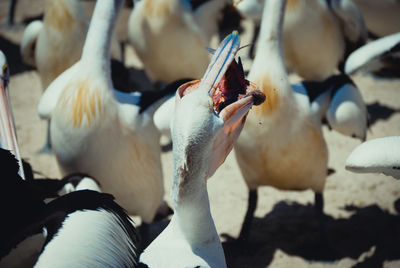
point(170, 36)
point(317, 35)
point(102, 132)
point(56, 43)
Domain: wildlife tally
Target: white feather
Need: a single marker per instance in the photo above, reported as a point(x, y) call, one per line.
point(89, 239)
point(380, 155)
point(367, 58)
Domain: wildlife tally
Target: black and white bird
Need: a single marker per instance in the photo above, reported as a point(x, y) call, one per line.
point(379, 155)
point(208, 117)
point(380, 57)
point(80, 229)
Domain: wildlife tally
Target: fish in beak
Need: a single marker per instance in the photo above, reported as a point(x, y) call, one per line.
point(8, 137)
point(230, 95)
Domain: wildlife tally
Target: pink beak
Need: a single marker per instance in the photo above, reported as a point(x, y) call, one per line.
point(8, 137)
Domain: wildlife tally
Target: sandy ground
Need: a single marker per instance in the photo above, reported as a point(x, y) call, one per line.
point(362, 221)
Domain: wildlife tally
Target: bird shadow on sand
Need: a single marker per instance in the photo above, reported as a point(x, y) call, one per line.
point(12, 52)
point(378, 111)
point(293, 228)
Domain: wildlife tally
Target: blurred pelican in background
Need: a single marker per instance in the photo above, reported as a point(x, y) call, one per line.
point(379, 155)
point(281, 145)
point(55, 44)
point(317, 35)
point(170, 36)
point(103, 132)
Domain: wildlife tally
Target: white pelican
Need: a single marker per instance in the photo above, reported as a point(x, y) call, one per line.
point(170, 36)
point(317, 35)
point(381, 155)
point(105, 133)
point(208, 117)
point(380, 57)
point(339, 101)
point(55, 44)
point(281, 145)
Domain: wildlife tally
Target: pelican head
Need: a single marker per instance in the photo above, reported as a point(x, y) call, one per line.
point(210, 113)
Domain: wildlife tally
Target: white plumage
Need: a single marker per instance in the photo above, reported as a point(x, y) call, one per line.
point(347, 112)
point(170, 37)
point(89, 238)
point(378, 56)
point(281, 145)
point(102, 133)
point(317, 36)
point(339, 101)
point(56, 43)
point(381, 155)
point(202, 139)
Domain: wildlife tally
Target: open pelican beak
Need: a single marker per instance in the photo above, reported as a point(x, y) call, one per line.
point(231, 96)
point(8, 137)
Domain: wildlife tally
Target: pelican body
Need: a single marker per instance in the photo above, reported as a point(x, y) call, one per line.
point(380, 57)
point(57, 43)
point(339, 101)
point(379, 155)
point(204, 127)
point(102, 132)
point(281, 145)
point(170, 36)
point(318, 35)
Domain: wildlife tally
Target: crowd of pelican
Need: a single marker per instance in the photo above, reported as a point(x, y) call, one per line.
point(107, 142)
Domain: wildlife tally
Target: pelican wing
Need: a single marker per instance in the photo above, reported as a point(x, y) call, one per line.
point(28, 42)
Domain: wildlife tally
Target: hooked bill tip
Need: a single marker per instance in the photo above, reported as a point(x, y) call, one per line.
point(258, 97)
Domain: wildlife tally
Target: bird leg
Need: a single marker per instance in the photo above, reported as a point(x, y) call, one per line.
point(47, 146)
point(319, 210)
point(251, 207)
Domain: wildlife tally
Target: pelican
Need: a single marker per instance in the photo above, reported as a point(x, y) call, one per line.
point(379, 155)
point(317, 35)
point(105, 133)
point(84, 228)
point(379, 57)
point(90, 231)
point(339, 101)
point(55, 44)
point(169, 36)
point(281, 145)
point(208, 117)
point(30, 227)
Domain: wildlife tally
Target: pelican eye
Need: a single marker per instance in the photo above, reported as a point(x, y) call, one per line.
point(5, 69)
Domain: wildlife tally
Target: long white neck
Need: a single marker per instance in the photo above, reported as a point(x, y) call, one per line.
point(269, 57)
point(191, 203)
point(96, 50)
